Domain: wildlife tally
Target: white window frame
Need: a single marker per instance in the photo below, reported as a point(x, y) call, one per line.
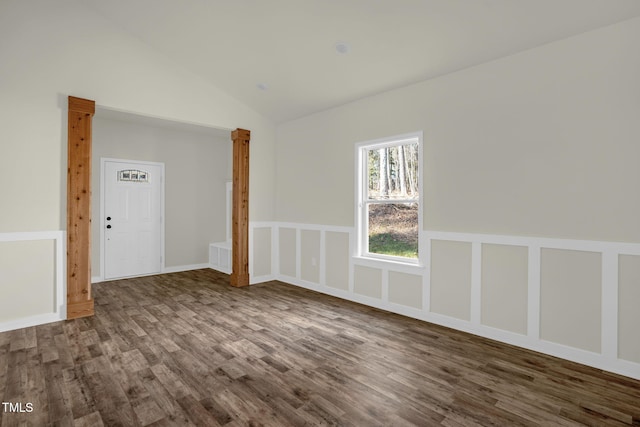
point(362, 217)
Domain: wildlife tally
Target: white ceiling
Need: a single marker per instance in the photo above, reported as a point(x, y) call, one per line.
point(290, 44)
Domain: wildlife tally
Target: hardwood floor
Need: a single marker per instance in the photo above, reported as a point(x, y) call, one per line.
point(188, 349)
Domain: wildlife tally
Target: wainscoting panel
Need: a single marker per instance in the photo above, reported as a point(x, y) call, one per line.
point(310, 255)
point(571, 298)
point(368, 281)
point(405, 289)
point(336, 258)
point(504, 278)
point(261, 251)
point(288, 252)
point(33, 292)
point(628, 308)
point(451, 278)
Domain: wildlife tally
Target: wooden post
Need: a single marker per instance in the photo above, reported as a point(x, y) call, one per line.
point(79, 299)
point(240, 208)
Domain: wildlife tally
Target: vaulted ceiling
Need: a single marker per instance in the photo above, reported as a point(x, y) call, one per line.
point(280, 56)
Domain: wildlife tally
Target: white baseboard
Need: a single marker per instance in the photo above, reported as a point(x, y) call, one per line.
point(261, 279)
point(218, 268)
point(622, 367)
point(178, 268)
point(174, 269)
point(27, 322)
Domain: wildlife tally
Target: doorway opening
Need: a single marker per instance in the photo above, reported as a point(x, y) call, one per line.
point(79, 176)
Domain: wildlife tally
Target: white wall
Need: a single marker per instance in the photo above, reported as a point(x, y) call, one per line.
point(50, 50)
point(541, 144)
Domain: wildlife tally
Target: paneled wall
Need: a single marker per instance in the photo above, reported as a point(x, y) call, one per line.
point(32, 279)
point(574, 299)
point(542, 143)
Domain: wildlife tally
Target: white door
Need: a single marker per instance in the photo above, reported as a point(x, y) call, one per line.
point(132, 219)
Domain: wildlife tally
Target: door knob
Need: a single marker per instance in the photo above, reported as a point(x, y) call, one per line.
point(108, 226)
point(108, 218)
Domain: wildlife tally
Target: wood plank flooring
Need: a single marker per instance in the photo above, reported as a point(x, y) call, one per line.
point(188, 349)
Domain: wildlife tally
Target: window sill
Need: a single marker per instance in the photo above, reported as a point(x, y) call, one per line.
point(381, 263)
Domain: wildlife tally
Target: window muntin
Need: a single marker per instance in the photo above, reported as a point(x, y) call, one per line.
point(389, 189)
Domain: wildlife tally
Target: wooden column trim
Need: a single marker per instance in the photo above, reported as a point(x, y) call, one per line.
point(240, 208)
point(79, 299)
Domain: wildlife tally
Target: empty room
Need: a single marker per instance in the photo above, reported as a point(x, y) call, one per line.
point(311, 212)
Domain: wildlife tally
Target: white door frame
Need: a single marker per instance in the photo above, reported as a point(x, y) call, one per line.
point(103, 161)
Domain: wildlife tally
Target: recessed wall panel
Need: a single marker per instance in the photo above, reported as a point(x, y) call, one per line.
point(570, 298)
point(310, 255)
point(367, 281)
point(504, 287)
point(27, 279)
point(337, 260)
point(628, 310)
point(288, 260)
point(405, 289)
point(261, 252)
point(451, 278)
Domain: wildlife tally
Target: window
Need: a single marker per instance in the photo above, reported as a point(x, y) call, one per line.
point(389, 190)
